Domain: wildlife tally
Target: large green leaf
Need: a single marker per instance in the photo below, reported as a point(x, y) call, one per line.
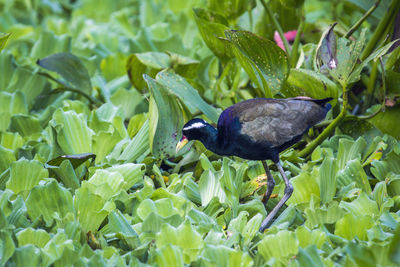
point(91, 209)
point(210, 187)
point(384, 121)
point(25, 175)
point(49, 44)
point(266, 64)
point(309, 83)
point(73, 134)
point(185, 237)
point(7, 247)
point(51, 201)
point(189, 95)
point(327, 179)
point(220, 255)
point(351, 226)
point(211, 26)
point(280, 246)
point(165, 120)
point(71, 68)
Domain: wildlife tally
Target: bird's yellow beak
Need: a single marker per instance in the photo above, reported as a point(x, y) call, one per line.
point(181, 143)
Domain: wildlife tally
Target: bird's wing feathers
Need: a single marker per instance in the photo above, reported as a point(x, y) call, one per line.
point(276, 121)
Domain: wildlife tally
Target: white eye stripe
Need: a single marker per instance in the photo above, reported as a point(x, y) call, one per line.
point(195, 125)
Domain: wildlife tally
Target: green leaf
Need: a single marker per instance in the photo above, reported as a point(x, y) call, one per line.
point(384, 121)
point(73, 134)
point(327, 179)
point(326, 50)
point(66, 173)
point(266, 64)
point(7, 247)
point(165, 120)
point(353, 172)
point(185, 237)
point(232, 9)
point(220, 255)
point(348, 53)
point(26, 256)
point(3, 40)
point(119, 224)
point(310, 83)
point(310, 257)
point(49, 44)
point(210, 187)
point(212, 26)
point(25, 175)
point(329, 213)
point(309, 237)
point(70, 68)
point(113, 66)
point(305, 186)
point(6, 158)
point(37, 237)
point(190, 96)
point(25, 125)
point(51, 201)
point(280, 246)
point(351, 226)
point(91, 209)
point(169, 255)
point(395, 246)
point(363, 205)
point(76, 160)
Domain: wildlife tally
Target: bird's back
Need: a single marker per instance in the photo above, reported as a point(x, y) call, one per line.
point(261, 128)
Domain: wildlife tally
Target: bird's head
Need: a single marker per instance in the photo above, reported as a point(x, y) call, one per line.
point(193, 130)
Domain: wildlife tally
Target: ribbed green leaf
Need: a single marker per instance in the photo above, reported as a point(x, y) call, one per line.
point(165, 120)
point(220, 255)
point(25, 175)
point(351, 226)
point(280, 246)
point(73, 134)
point(266, 64)
point(210, 186)
point(51, 201)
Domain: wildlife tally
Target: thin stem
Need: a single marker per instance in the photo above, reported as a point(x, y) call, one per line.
point(295, 46)
point(371, 85)
point(380, 29)
point(326, 132)
point(277, 26)
point(91, 99)
point(362, 19)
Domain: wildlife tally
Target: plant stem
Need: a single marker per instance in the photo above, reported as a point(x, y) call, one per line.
point(362, 19)
point(277, 26)
point(371, 85)
point(91, 99)
point(295, 46)
point(380, 29)
point(325, 133)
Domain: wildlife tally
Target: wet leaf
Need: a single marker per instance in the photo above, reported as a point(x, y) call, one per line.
point(266, 64)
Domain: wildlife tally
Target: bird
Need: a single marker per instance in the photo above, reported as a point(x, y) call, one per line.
point(259, 129)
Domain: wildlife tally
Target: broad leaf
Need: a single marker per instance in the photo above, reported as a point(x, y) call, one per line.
point(71, 68)
point(266, 64)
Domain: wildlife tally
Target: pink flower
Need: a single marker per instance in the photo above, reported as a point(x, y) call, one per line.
point(290, 35)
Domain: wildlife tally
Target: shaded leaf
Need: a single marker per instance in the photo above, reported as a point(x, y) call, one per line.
point(70, 68)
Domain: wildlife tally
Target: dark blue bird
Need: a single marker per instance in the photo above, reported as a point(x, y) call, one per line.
point(259, 129)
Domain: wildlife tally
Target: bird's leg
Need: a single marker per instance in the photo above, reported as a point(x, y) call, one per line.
point(288, 192)
point(270, 183)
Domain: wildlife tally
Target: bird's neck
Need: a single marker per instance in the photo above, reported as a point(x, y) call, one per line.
point(210, 140)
